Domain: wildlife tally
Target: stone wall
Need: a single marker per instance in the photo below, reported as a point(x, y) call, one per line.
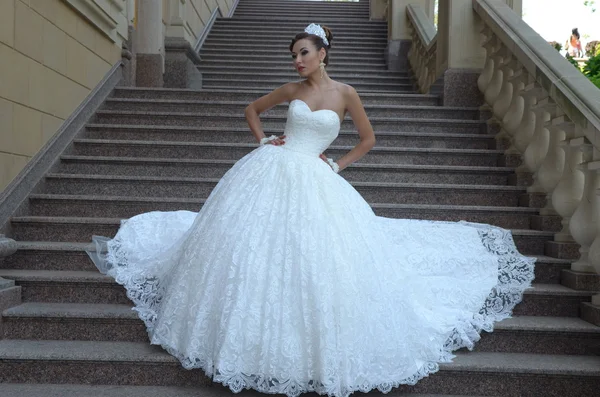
point(52, 53)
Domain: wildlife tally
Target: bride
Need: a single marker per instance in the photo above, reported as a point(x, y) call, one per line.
point(287, 282)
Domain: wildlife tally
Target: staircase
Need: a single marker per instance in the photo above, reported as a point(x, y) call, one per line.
point(161, 149)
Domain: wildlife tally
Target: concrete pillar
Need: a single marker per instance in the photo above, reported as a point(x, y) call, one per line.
point(398, 32)
point(459, 51)
point(181, 60)
point(149, 43)
point(378, 10)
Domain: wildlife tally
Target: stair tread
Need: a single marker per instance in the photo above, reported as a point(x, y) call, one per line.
point(249, 145)
point(114, 311)
point(72, 390)
point(102, 351)
point(355, 165)
point(94, 276)
point(79, 246)
point(272, 116)
point(259, 91)
point(399, 185)
point(71, 310)
point(109, 220)
point(169, 128)
point(224, 103)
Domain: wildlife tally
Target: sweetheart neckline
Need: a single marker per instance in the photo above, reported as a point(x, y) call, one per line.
point(319, 110)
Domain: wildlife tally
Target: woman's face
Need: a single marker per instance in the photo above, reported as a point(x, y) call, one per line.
point(306, 57)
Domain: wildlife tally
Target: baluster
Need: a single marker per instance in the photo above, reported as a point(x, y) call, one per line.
point(584, 223)
point(594, 252)
point(552, 167)
point(569, 190)
point(493, 89)
point(489, 43)
point(538, 147)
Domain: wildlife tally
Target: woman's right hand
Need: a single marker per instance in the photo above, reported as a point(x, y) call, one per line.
point(277, 142)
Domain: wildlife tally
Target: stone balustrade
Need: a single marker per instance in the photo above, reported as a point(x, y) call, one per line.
point(422, 53)
point(548, 115)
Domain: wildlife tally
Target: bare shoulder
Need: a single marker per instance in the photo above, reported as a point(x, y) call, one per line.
point(347, 90)
point(291, 88)
point(349, 93)
point(283, 93)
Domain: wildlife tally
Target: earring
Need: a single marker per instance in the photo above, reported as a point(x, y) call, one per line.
point(322, 67)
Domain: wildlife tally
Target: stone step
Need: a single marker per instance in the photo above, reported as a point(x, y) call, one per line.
point(336, 74)
point(51, 286)
point(118, 322)
point(284, 56)
point(350, 5)
point(79, 286)
point(305, 14)
point(329, 19)
point(339, 26)
point(133, 363)
point(67, 228)
point(68, 256)
point(228, 120)
point(529, 242)
point(299, 9)
point(86, 390)
point(176, 167)
point(238, 107)
point(269, 39)
point(347, 66)
point(294, 9)
point(103, 186)
point(379, 98)
point(234, 41)
point(234, 151)
point(68, 390)
point(275, 83)
point(264, 76)
point(344, 32)
point(260, 32)
point(242, 135)
point(138, 363)
point(268, 51)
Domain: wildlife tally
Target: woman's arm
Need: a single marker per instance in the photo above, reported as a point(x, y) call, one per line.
point(266, 102)
point(363, 125)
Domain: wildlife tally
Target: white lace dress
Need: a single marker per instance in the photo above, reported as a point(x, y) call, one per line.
point(286, 281)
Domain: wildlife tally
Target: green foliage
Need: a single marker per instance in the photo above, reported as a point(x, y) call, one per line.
point(595, 80)
point(557, 46)
point(592, 67)
point(572, 61)
point(592, 48)
point(591, 4)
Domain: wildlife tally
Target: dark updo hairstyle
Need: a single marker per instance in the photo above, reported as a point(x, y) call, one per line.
point(317, 41)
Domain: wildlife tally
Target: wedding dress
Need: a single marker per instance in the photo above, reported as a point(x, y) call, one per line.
point(286, 281)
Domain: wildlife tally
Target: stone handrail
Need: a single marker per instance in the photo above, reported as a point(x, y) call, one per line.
point(549, 114)
point(422, 53)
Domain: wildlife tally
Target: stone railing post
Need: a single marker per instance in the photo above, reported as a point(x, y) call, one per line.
point(584, 224)
point(8, 247)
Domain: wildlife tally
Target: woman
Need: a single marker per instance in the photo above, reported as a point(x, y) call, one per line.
point(287, 282)
point(574, 44)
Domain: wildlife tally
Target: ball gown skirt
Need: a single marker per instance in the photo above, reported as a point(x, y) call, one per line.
point(286, 281)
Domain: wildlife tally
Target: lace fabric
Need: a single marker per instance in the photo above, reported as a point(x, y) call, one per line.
point(287, 282)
